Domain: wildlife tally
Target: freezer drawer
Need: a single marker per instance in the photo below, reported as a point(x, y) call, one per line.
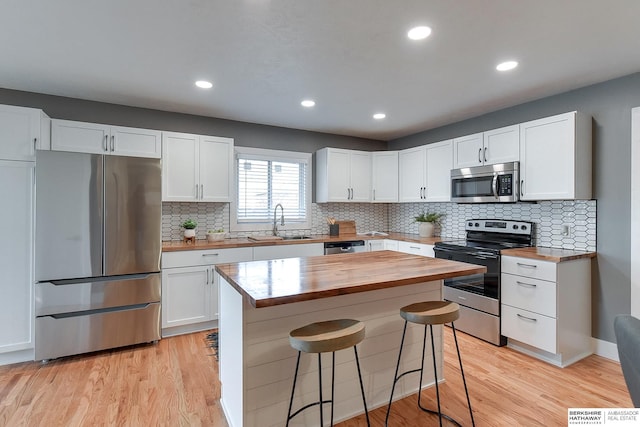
point(68, 296)
point(65, 335)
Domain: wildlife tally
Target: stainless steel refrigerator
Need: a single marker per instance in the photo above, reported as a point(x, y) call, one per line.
point(98, 247)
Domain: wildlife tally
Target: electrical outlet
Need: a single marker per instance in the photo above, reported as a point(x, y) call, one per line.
point(566, 230)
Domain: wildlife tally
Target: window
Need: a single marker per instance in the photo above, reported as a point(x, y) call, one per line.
point(265, 178)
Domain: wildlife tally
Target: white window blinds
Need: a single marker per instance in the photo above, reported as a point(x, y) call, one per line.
point(265, 181)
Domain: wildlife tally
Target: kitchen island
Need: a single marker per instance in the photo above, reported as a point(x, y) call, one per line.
point(261, 301)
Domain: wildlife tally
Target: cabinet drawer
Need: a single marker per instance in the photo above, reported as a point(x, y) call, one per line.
point(530, 328)
point(538, 296)
point(205, 257)
point(534, 268)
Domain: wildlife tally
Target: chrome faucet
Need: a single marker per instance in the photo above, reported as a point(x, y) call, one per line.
point(275, 225)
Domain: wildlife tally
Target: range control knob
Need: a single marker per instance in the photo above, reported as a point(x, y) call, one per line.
point(477, 225)
point(524, 227)
point(470, 224)
point(515, 226)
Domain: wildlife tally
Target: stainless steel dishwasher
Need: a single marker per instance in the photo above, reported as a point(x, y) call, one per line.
point(344, 247)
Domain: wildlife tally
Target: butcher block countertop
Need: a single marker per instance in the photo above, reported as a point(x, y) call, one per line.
point(285, 281)
point(548, 254)
point(179, 245)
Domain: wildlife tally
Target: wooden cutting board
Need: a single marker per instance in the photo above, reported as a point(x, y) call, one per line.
point(347, 228)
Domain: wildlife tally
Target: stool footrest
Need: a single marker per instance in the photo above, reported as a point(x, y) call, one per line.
point(309, 406)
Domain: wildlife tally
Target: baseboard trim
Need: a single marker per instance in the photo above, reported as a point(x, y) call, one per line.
point(606, 349)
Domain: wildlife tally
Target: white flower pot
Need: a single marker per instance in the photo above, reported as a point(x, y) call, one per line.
point(189, 233)
point(425, 229)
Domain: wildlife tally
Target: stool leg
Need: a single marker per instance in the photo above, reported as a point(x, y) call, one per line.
point(395, 376)
point(364, 400)
point(435, 372)
point(464, 381)
point(333, 381)
point(293, 390)
point(320, 387)
point(424, 349)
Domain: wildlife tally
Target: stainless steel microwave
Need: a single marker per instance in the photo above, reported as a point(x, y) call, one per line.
point(486, 184)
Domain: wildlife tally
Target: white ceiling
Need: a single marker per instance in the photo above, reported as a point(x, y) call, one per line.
point(351, 56)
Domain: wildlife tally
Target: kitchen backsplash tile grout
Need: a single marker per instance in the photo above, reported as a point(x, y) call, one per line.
point(550, 217)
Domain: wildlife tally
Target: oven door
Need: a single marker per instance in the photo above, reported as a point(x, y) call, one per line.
point(485, 184)
point(487, 284)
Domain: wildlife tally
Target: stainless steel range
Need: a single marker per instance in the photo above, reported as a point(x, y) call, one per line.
point(479, 294)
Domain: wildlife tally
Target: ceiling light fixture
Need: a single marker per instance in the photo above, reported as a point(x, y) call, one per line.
point(507, 65)
point(419, 33)
point(379, 116)
point(203, 84)
point(308, 103)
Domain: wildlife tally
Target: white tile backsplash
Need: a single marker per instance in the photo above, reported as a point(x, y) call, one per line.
point(549, 217)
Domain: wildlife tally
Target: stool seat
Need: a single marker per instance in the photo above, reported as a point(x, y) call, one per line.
point(431, 312)
point(329, 336)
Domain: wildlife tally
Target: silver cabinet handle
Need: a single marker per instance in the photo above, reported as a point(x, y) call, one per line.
point(201, 191)
point(485, 154)
point(374, 194)
point(35, 144)
point(106, 143)
point(414, 247)
point(479, 155)
point(215, 254)
point(529, 285)
point(531, 319)
point(197, 192)
point(207, 276)
point(522, 187)
point(113, 139)
point(527, 265)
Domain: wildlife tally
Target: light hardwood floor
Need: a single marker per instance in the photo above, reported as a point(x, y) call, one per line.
point(174, 383)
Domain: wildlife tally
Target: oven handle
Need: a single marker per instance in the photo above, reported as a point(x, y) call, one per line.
point(494, 185)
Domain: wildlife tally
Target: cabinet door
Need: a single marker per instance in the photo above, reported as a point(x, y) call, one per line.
point(180, 167)
point(384, 176)
point(391, 245)
point(287, 251)
point(216, 168)
point(135, 142)
point(416, 249)
point(547, 165)
point(502, 145)
point(16, 255)
point(80, 137)
point(439, 164)
point(468, 151)
point(360, 176)
point(186, 295)
point(375, 245)
point(19, 132)
point(338, 175)
point(412, 164)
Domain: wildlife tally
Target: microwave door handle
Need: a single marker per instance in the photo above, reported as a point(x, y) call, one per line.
point(494, 185)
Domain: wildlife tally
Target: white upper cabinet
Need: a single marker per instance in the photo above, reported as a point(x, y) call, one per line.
point(555, 158)
point(22, 131)
point(343, 175)
point(425, 173)
point(82, 137)
point(487, 148)
point(196, 168)
point(439, 164)
point(412, 179)
point(384, 176)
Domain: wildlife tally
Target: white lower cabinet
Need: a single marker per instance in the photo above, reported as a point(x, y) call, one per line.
point(416, 249)
point(546, 308)
point(391, 245)
point(287, 251)
point(375, 245)
point(190, 288)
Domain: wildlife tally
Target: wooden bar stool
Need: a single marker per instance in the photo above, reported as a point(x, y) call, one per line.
point(430, 313)
point(324, 337)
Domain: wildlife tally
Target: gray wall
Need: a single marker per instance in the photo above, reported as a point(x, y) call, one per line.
point(610, 105)
point(245, 134)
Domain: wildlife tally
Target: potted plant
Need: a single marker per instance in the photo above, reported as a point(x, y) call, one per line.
point(217, 234)
point(189, 228)
point(426, 223)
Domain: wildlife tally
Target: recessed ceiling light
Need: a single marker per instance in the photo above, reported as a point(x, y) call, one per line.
point(419, 33)
point(379, 116)
point(507, 65)
point(203, 84)
point(308, 103)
